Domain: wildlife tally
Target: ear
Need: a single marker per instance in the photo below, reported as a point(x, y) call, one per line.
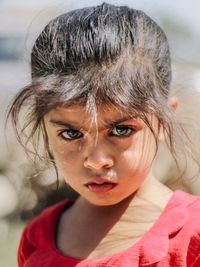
point(173, 103)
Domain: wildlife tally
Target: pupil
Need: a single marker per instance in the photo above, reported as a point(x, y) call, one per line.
point(122, 130)
point(72, 133)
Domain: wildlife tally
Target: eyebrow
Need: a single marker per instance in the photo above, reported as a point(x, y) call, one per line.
point(107, 124)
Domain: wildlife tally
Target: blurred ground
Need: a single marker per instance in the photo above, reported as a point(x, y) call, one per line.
point(10, 235)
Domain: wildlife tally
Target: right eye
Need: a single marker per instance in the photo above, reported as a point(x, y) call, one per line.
point(70, 134)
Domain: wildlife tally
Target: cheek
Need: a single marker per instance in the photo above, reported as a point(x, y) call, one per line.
point(138, 155)
point(129, 160)
point(65, 155)
point(66, 163)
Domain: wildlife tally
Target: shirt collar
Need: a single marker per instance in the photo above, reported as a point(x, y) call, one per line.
point(154, 246)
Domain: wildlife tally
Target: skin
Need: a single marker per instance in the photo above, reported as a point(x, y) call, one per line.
point(121, 155)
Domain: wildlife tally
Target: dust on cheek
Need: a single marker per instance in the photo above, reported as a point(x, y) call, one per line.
point(65, 158)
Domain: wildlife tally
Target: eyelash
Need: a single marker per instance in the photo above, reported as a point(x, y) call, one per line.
point(131, 130)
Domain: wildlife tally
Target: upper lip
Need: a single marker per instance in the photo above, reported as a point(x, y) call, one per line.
point(99, 180)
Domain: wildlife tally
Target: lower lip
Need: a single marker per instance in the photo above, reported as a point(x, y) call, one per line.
point(101, 188)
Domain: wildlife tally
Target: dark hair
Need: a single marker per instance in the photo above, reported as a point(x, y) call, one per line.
point(98, 55)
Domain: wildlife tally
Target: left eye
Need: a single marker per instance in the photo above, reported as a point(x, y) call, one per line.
point(122, 130)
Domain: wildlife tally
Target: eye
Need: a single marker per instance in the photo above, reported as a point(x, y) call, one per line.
point(122, 130)
point(70, 134)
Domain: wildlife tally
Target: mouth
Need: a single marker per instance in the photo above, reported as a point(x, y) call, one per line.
point(100, 185)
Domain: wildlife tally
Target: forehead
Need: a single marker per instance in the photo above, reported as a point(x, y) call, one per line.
point(81, 111)
point(78, 114)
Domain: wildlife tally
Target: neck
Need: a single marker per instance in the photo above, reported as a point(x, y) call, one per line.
point(112, 212)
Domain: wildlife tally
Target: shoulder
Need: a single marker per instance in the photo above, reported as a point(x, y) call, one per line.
point(187, 206)
point(192, 229)
point(186, 240)
point(42, 226)
point(192, 204)
point(40, 230)
point(193, 209)
point(186, 200)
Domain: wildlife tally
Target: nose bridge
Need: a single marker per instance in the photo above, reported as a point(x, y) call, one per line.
point(98, 155)
point(97, 149)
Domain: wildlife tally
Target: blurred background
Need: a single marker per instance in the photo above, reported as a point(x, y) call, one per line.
point(24, 190)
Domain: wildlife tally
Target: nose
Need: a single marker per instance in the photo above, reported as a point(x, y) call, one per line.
point(98, 158)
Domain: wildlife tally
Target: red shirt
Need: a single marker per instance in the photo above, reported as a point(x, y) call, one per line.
point(173, 240)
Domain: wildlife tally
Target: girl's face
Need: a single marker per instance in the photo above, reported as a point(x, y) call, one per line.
point(104, 161)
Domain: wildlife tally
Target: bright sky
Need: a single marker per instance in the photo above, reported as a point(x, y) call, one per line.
point(187, 11)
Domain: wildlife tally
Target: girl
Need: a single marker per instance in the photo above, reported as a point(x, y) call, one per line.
point(100, 99)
